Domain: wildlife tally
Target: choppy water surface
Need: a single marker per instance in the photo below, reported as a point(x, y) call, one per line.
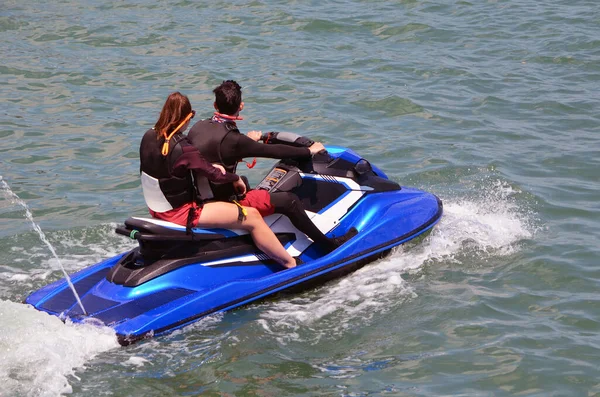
point(493, 106)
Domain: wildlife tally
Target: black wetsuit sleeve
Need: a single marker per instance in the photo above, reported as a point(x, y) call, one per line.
point(240, 146)
point(191, 159)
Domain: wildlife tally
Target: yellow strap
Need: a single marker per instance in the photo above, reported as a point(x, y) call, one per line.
point(165, 148)
point(241, 209)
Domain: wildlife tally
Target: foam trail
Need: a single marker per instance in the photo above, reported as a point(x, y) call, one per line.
point(39, 231)
point(40, 352)
point(492, 225)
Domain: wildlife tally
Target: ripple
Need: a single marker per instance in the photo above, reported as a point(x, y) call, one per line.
point(391, 106)
point(9, 23)
point(490, 105)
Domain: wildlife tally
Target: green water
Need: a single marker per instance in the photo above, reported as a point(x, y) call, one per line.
point(492, 106)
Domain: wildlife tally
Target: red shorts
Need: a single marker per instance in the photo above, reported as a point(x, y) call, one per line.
point(259, 199)
point(178, 215)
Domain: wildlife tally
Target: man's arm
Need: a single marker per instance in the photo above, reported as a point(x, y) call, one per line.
point(240, 146)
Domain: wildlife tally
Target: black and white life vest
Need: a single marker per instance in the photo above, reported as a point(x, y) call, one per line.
point(162, 190)
point(207, 136)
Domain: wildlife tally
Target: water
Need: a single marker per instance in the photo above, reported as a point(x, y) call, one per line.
point(490, 105)
point(9, 193)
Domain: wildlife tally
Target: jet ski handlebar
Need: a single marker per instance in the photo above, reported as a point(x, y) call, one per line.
point(286, 138)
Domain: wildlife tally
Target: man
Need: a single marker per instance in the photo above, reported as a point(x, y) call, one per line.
point(220, 141)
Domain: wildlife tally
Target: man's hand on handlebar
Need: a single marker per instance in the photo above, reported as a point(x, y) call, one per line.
point(316, 148)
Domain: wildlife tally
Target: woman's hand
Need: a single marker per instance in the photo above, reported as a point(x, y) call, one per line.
point(254, 135)
point(220, 167)
point(316, 148)
point(239, 186)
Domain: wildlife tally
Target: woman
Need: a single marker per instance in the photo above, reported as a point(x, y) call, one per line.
point(168, 167)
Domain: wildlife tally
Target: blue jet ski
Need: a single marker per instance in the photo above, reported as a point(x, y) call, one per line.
point(173, 278)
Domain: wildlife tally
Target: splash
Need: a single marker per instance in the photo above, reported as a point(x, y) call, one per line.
point(40, 352)
point(491, 224)
point(31, 267)
point(39, 231)
point(183, 350)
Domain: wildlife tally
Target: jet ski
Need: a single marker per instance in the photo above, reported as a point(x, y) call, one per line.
point(175, 277)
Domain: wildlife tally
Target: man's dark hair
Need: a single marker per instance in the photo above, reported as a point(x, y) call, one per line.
point(228, 97)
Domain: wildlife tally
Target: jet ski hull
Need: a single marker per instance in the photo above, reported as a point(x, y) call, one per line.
point(141, 299)
point(194, 291)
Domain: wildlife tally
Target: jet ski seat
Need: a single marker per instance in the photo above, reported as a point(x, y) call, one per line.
point(165, 246)
point(149, 229)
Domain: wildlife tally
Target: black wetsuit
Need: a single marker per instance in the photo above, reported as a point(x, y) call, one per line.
point(222, 142)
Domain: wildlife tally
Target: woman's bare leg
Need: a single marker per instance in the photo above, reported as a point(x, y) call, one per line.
point(225, 215)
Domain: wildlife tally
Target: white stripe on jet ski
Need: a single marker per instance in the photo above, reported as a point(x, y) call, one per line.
point(349, 183)
point(328, 219)
point(245, 258)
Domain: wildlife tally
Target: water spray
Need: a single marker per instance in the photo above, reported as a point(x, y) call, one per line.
point(4, 186)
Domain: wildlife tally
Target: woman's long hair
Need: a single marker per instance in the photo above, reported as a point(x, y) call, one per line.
point(176, 108)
